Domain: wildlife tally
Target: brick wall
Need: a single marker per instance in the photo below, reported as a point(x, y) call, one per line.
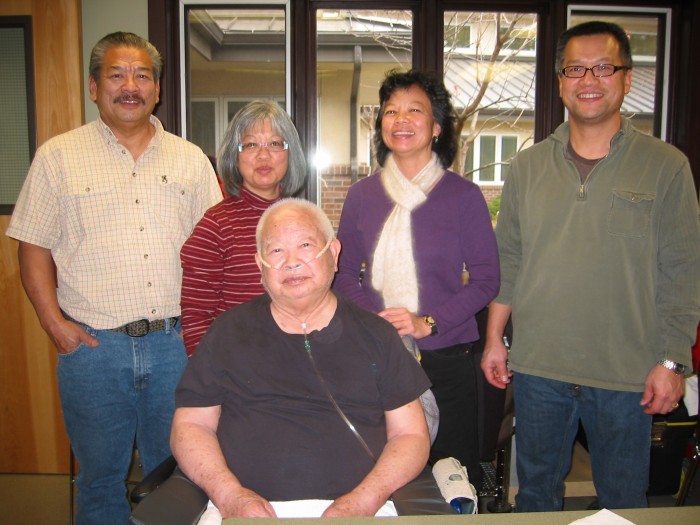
point(491, 192)
point(335, 182)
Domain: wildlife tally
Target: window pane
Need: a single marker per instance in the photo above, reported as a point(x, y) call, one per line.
point(492, 80)
point(355, 50)
point(204, 125)
point(234, 56)
point(487, 154)
point(509, 147)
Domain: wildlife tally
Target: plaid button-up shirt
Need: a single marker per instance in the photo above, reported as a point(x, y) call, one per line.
point(115, 226)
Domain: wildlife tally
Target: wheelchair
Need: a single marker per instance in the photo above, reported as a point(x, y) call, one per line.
point(167, 496)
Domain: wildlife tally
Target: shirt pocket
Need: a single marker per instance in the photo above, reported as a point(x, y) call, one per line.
point(171, 198)
point(84, 202)
point(630, 214)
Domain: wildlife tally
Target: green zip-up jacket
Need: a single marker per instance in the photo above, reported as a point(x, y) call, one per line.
point(603, 278)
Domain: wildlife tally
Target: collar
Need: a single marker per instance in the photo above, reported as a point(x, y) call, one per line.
point(111, 138)
point(253, 200)
point(562, 133)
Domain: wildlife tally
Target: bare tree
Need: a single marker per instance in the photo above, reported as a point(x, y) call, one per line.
point(495, 32)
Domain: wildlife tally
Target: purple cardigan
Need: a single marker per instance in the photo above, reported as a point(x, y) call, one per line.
point(450, 230)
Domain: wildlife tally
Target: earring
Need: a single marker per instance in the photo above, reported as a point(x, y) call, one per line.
point(435, 139)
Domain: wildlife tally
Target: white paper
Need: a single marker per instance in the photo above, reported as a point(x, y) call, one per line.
point(603, 517)
point(308, 508)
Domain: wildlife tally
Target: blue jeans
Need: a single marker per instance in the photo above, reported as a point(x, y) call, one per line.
point(111, 395)
point(618, 434)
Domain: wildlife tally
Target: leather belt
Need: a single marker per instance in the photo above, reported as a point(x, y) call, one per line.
point(142, 327)
point(137, 328)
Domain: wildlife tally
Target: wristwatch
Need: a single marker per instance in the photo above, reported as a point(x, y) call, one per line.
point(674, 367)
point(431, 323)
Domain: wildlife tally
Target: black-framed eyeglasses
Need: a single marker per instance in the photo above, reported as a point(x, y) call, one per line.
point(601, 70)
point(253, 147)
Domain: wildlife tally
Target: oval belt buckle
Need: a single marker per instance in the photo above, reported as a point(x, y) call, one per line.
point(138, 328)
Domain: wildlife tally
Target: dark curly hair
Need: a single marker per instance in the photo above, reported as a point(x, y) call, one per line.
point(443, 112)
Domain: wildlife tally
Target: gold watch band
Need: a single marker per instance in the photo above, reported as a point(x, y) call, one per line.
point(431, 323)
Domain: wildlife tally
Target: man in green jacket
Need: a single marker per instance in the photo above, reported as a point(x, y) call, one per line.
point(599, 243)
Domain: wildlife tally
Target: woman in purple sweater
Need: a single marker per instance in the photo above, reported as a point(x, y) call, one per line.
point(419, 250)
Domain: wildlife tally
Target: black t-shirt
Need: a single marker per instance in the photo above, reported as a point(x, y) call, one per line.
point(278, 430)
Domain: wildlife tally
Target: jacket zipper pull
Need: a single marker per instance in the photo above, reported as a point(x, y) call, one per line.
point(581, 193)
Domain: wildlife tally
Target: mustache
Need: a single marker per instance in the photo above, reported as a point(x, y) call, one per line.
point(128, 98)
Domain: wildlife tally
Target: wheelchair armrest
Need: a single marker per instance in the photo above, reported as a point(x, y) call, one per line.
point(153, 480)
point(177, 501)
point(421, 497)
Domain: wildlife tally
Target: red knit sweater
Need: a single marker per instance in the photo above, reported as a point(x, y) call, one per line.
point(218, 263)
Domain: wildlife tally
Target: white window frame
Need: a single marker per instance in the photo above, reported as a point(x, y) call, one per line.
point(498, 154)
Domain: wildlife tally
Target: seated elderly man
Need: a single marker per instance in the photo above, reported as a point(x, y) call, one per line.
point(299, 394)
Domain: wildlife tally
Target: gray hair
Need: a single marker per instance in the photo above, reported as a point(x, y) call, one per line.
point(250, 115)
point(122, 39)
point(319, 216)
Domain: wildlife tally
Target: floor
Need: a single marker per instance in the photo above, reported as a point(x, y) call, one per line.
point(45, 499)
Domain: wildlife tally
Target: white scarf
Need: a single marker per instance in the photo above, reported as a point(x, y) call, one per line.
point(393, 266)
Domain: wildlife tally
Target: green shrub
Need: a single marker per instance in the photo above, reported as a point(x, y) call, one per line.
point(494, 206)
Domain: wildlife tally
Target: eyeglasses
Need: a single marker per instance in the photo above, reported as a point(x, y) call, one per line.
point(601, 70)
point(275, 146)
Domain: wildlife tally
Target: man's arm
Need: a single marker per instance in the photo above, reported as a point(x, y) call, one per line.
point(678, 289)
point(38, 273)
point(494, 361)
point(404, 456)
point(196, 447)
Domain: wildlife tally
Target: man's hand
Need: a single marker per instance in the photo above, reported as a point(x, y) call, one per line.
point(352, 504)
point(244, 503)
point(67, 336)
point(406, 323)
point(38, 273)
point(494, 363)
point(662, 390)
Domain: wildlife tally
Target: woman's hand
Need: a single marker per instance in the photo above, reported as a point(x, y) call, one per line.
point(406, 323)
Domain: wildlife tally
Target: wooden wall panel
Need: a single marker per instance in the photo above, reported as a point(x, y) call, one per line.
point(32, 436)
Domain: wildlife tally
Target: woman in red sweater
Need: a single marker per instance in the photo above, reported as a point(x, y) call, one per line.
point(260, 161)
